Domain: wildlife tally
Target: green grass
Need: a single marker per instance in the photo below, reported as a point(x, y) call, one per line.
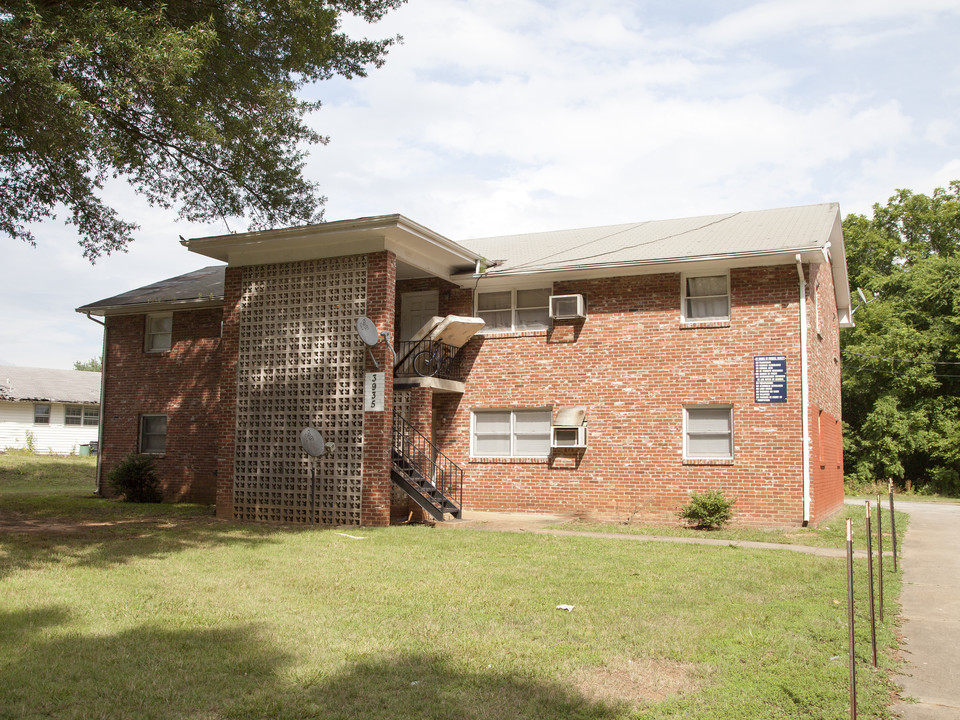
point(832, 533)
point(172, 615)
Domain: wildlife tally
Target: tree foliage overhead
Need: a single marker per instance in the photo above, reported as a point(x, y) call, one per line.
point(901, 371)
point(192, 101)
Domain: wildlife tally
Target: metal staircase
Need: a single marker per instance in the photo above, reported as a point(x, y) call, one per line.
point(428, 476)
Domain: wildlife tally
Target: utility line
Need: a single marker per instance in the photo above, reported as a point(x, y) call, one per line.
point(900, 360)
point(894, 372)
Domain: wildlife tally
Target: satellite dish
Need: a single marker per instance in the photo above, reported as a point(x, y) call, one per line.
point(312, 442)
point(367, 330)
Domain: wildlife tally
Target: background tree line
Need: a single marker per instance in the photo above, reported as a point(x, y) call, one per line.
point(901, 363)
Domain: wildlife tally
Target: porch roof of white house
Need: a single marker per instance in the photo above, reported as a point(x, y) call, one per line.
point(49, 385)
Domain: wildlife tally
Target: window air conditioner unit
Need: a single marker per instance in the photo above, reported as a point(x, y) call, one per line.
point(569, 437)
point(564, 307)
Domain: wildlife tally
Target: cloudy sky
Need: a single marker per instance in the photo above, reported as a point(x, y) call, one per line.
point(500, 116)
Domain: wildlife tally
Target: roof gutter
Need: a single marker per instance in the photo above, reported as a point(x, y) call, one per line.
point(103, 384)
point(804, 390)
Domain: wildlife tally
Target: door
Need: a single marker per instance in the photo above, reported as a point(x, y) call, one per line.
point(415, 309)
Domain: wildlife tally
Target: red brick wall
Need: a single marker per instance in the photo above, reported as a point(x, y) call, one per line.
point(635, 366)
point(826, 433)
point(227, 410)
point(183, 384)
point(377, 426)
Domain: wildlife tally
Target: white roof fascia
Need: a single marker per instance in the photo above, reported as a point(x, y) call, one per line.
point(652, 267)
point(154, 307)
point(410, 241)
point(841, 280)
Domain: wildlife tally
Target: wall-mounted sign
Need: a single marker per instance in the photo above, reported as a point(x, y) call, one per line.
point(770, 379)
point(373, 392)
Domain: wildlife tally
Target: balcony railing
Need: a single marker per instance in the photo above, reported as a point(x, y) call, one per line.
point(427, 358)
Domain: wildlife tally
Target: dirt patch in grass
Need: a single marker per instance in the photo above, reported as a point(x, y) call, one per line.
point(636, 681)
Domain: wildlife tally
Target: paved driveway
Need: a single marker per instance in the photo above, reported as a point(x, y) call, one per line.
point(931, 612)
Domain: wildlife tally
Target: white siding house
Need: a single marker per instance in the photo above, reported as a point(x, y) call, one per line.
point(52, 411)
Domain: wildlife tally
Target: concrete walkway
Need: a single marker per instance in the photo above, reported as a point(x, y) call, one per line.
point(931, 612)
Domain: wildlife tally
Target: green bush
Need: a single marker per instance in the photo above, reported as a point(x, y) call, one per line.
point(136, 479)
point(709, 510)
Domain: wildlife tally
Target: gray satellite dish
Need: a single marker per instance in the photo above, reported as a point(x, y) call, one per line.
point(367, 330)
point(312, 442)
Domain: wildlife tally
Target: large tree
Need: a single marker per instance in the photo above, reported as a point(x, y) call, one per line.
point(901, 372)
point(194, 102)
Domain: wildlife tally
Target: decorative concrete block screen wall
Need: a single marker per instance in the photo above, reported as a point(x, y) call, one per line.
point(300, 364)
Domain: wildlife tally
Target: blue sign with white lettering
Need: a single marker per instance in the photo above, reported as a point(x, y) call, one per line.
point(770, 379)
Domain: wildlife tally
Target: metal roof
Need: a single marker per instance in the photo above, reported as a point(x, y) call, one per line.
point(751, 233)
point(204, 285)
point(43, 384)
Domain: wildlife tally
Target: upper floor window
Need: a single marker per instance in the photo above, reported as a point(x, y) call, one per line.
point(159, 332)
point(511, 433)
point(706, 298)
point(41, 414)
point(514, 310)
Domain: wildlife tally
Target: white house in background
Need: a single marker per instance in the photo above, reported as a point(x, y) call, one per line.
point(54, 411)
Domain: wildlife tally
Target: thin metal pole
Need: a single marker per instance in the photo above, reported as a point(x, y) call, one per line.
point(880, 555)
point(852, 660)
point(893, 526)
point(873, 617)
point(313, 492)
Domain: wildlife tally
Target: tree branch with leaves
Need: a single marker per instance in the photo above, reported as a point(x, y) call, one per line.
point(194, 103)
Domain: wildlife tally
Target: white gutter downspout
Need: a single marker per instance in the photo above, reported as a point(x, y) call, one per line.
point(804, 400)
point(103, 381)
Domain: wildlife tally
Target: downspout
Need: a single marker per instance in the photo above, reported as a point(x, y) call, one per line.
point(103, 383)
point(804, 400)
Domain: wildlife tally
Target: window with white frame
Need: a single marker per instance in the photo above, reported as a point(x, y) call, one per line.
point(511, 433)
point(706, 298)
point(708, 432)
point(41, 414)
point(159, 332)
point(514, 310)
point(81, 415)
point(72, 415)
point(153, 434)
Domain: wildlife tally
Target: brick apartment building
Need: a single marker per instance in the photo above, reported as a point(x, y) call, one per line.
point(616, 370)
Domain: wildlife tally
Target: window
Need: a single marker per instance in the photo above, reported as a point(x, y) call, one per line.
point(708, 432)
point(514, 310)
point(159, 332)
point(153, 434)
point(81, 415)
point(511, 433)
point(73, 415)
point(706, 298)
point(41, 414)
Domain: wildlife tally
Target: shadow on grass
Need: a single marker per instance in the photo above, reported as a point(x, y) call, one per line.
point(149, 672)
point(30, 542)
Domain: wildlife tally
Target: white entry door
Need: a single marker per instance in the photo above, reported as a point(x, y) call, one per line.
point(415, 309)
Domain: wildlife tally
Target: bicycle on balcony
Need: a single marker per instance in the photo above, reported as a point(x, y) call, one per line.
point(433, 361)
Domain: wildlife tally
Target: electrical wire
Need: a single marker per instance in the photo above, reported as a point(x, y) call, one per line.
point(894, 372)
point(893, 359)
point(539, 261)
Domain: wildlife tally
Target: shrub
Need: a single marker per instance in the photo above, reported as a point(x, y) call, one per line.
point(136, 479)
point(708, 511)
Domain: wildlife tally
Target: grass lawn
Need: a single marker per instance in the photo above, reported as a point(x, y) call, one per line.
point(110, 610)
point(832, 533)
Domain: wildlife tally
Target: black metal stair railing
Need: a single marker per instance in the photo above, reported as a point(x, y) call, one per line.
point(432, 479)
point(428, 358)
